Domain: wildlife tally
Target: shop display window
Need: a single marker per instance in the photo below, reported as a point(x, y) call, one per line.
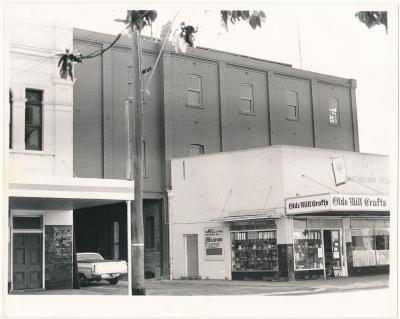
point(254, 251)
point(370, 246)
point(308, 251)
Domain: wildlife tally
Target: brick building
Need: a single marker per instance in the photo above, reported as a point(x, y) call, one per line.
point(201, 102)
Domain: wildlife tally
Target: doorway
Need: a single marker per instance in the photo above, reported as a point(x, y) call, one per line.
point(27, 261)
point(333, 252)
point(192, 256)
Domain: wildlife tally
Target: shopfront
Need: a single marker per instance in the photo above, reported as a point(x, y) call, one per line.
point(294, 214)
point(339, 235)
point(254, 249)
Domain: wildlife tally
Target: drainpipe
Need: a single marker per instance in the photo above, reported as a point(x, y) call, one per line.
point(170, 195)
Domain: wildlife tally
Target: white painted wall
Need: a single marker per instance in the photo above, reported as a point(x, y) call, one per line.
point(33, 64)
point(370, 171)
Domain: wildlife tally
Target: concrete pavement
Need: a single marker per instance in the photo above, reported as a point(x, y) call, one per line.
point(228, 287)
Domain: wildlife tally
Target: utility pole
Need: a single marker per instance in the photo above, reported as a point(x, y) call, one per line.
point(137, 233)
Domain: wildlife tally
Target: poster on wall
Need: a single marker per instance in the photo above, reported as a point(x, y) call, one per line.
point(214, 243)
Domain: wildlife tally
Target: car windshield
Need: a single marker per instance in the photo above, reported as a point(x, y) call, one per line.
point(90, 256)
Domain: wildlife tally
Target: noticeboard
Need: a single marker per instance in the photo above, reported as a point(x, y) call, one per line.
point(214, 243)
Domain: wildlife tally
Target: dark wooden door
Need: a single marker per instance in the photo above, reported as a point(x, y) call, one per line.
point(192, 256)
point(27, 261)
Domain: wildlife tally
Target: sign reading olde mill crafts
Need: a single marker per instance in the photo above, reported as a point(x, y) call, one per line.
point(214, 243)
point(336, 202)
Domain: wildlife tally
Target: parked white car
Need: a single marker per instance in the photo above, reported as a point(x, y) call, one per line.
point(93, 267)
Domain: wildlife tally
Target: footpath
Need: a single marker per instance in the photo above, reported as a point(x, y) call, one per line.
point(229, 287)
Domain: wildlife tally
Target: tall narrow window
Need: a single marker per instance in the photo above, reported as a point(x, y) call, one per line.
point(196, 149)
point(246, 98)
point(292, 105)
point(149, 232)
point(194, 90)
point(10, 120)
point(334, 116)
point(33, 119)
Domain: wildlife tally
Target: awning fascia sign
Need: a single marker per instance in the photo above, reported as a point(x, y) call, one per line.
point(336, 202)
point(275, 213)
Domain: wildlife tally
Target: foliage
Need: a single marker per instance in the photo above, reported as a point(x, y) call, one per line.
point(255, 19)
point(373, 18)
point(140, 18)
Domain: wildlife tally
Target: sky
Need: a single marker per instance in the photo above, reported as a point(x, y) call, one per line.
point(320, 37)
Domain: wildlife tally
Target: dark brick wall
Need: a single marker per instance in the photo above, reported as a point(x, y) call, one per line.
point(152, 255)
point(58, 255)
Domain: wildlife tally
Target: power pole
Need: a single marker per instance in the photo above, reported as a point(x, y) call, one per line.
point(137, 240)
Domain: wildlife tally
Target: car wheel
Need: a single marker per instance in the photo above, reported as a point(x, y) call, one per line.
point(82, 280)
point(113, 281)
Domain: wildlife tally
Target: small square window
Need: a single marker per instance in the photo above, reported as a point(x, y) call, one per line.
point(334, 116)
point(292, 105)
point(246, 98)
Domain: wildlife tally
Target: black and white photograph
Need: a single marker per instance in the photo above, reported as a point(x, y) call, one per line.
point(199, 160)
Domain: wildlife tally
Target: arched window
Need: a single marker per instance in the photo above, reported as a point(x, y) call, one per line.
point(10, 119)
point(196, 149)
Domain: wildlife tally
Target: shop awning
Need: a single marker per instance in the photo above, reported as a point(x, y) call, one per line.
point(230, 216)
point(67, 193)
point(337, 203)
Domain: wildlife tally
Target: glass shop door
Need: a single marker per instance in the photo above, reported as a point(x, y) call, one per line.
point(333, 253)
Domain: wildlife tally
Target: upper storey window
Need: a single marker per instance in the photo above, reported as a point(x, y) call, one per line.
point(334, 115)
point(246, 98)
point(194, 90)
point(196, 149)
point(292, 105)
point(33, 119)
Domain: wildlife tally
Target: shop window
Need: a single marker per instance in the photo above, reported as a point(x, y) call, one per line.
point(33, 119)
point(196, 149)
point(27, 223)
point(149, 232)
point(308, 251)
point(362, 239)
point(299, 223)
point(370, 246)
point(292, 105)
point(334, 115)
point(246, 98)
point(381, 239)
point(254, 251)
point(194, 90)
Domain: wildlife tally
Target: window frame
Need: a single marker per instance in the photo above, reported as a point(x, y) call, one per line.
point(245, 98)
point(334, 114)
point(195, 90)
point(200, 147)
point(38, 127)
point(297, 107)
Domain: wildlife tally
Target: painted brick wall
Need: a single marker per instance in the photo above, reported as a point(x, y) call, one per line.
point(58, 256)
